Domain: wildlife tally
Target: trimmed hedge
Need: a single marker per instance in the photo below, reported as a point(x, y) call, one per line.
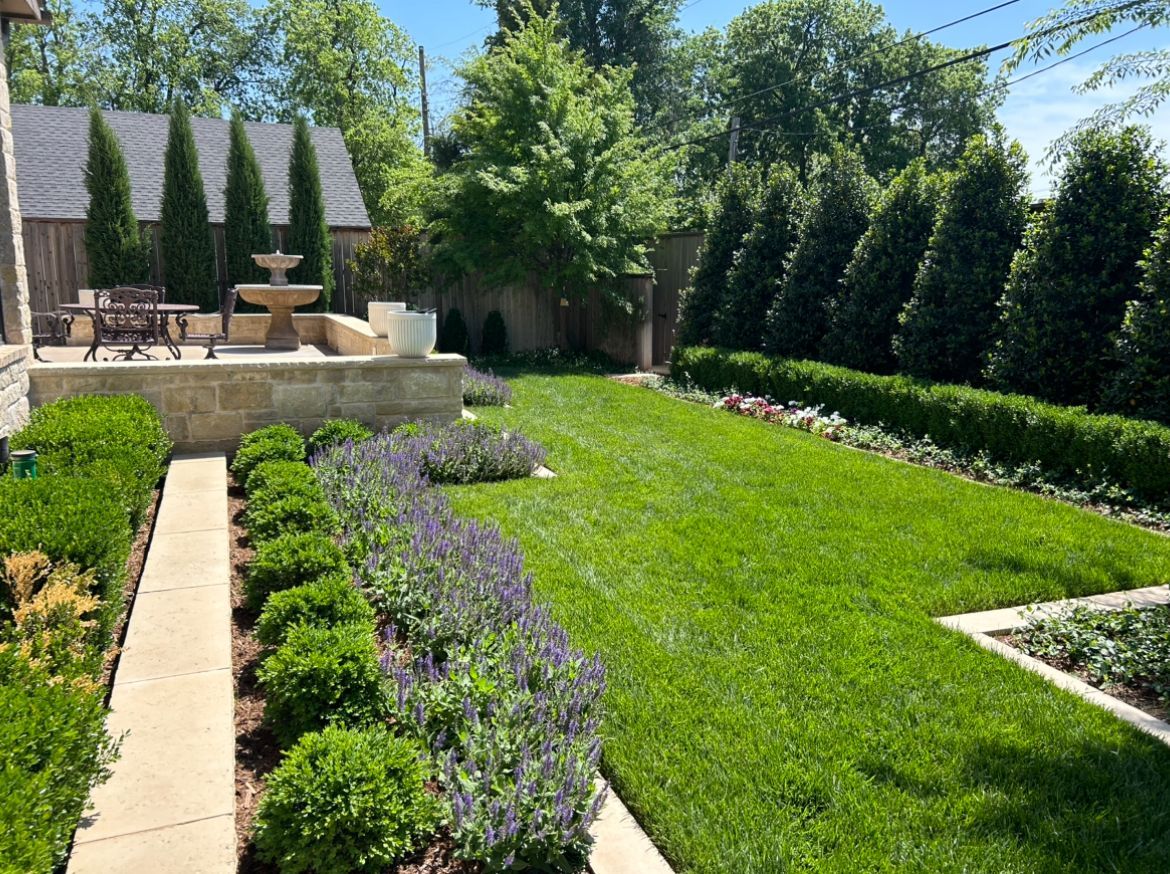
point(118, 439)
point(271, 443)
point(332, 600)
point(293, 559)
point(1067, 441)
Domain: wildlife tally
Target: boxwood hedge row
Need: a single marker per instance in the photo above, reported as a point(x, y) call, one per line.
point(1067, 441)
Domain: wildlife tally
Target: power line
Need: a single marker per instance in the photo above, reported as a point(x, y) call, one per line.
point(452, 42)
point(999, 85)
point(860, 92)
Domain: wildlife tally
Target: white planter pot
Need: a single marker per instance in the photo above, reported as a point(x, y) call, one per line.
point(412, 335)
point(376, 314)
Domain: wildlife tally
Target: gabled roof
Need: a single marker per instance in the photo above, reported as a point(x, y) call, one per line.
point(52, 144)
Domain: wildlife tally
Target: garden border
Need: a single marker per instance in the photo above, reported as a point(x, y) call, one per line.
point(981, 626)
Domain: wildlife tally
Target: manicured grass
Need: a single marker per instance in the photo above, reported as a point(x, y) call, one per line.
point(779, 695)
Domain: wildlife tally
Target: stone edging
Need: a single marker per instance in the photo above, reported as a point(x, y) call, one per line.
point(620, 846)
point(981, 627)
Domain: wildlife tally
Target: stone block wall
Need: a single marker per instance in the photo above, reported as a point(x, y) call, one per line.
point(207, 405)
point(14, 385)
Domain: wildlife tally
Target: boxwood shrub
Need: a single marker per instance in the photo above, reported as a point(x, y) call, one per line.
point(70, 519)
point(332, 600)
point(274, 442)
point(334, 431)
point(322, 676)
point(53, 750)
point(118, 439)
point(278, 476)
point(290, 560)
point(1067, 441)
point(345, 800)
point(266, 519)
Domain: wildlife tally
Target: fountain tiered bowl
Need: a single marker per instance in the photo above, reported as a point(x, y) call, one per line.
point(281, 298)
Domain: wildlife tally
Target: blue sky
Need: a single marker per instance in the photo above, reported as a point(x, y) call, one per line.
point(1035, 112)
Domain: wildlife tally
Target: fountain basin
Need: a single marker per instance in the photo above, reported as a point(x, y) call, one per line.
point(276, 263)
point(281, 301)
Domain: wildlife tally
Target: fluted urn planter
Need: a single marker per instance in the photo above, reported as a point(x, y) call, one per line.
point(412, 335)
point(376, 314)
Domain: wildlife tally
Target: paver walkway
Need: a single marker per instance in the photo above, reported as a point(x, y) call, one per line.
point(170, 804)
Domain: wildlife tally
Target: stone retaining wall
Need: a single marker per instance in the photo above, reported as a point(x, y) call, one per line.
point(14, 385)
point(207, 405)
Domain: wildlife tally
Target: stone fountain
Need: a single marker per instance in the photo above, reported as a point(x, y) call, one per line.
point(280, 298)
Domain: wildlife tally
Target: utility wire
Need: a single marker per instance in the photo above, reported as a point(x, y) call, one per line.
point(860, 92)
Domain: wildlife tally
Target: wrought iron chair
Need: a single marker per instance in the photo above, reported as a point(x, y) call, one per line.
point(49, 329)
point(211, 338)
point(126, 322)
point(146, 286)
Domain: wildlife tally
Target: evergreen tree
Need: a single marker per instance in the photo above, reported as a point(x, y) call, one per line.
point(115, 247)
point(1141, 386)
point(880, 277)
point(730, 221)
point(946, 327)
point(308, 234)
point(758, 267)
point(454, 336)
point(246, 230)
point(1067, 293)
point(188, 249)
point(839, 199)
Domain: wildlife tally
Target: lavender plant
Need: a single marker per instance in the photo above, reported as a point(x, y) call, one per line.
point(481, 675)
point(484, 389)
point(467, 452)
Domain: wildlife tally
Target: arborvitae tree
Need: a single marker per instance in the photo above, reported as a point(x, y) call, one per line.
point(116, 249)
point(1066, 296)
point(495, 335)
point(730, 220)
point(454, 336)
point(308, 233)
point(188, 249)
point(1141, 386)
point(758, 267)
point(880, 277)
point(946, 327)
point(246, 231)
point(839, 198)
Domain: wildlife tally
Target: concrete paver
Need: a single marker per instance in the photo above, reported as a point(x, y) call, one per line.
point(192, 848)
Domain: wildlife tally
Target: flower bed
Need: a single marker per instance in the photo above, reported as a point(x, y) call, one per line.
point(484, 389)
point(1123, 652)
point(810, 419)
point(444, 654)
point(65, 539)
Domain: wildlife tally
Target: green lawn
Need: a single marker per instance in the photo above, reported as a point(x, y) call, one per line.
point(779, 695)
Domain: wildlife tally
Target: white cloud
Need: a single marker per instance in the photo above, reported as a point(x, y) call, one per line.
point(1039, 110)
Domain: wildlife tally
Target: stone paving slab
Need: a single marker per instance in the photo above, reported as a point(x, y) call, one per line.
point(621, 847)
point(180, 631)
point(191, 848)
point(170, 803)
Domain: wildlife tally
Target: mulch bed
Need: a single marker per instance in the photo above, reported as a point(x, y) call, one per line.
point(257, 752)
point(1142, 699)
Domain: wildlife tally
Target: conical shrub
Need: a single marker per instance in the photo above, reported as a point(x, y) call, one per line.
point(308, 233)
point(246, 229)
point(117, 250)
point(188, 248)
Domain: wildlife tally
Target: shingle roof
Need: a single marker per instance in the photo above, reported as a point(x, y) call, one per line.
point(52, 142)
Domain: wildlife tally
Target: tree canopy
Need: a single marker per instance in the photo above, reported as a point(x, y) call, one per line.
point(556, 181)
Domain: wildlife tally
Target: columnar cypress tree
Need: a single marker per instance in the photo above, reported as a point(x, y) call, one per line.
point(116, 249)
point(1141, 386)
point(188, 249)
point(308, 234)
point(1067, 293)
point(730, 220)
point(758, 267)
point(947, 326)
point(839, 201)
point(880, 276)
point(246, 230)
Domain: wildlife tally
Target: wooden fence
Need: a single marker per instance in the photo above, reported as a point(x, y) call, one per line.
point(57, 264)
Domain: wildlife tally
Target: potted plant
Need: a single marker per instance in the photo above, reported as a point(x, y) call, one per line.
point(388, 270)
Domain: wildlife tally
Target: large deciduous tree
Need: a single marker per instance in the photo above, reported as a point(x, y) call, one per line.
point(556, 181)
point(839, 199)
point(246, 230)
point(758, 268)
point(54, 64)
point(731, 219)
point(115, 246)
point(1069, 285)
point(880, 277)
point(345, 66)
point(308, 230)
point(186, 244)
point(1141, 385)
point(948, 324)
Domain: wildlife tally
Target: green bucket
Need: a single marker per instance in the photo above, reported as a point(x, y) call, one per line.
point(24, 464)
